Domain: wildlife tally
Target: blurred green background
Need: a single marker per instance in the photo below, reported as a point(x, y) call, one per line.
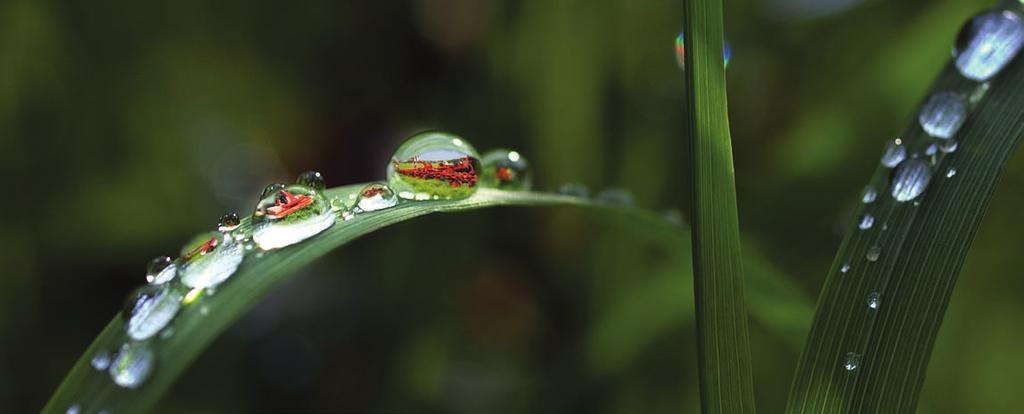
point(125, 128)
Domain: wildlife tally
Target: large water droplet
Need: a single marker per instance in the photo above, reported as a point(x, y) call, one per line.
point(874, 301)
point(866, 221)
point(574, 189)
point(210, 259)
point(434, 165)
point(874, 252)
point(149, 309)
point(615, 197)
point(870, 194)
point(988, 42)
point(133, 365)
point(228, 222)
point(376, 196)
point(943, 114)
point(312, 179)
point(910, 179)
point(506, 170)
point(894, 153)
point(852, 361)
point(161, 270)
point(290, 215)
point(681, 51)
point(100, 360)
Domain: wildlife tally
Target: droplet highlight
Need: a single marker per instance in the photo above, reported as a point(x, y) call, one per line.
point(290, 215)
point(133, 365)
point(950, 172)
point(376, 196)
point(210, 259)
point(894, 153)
point(505, 170)
point(866, 221)
point(852, 361)
point(101, 360)
point(987, 43)
point(910, 179)
point(870, 194)
point(874, 301)
point(312, 179)
point(845, 268)
point(432, 166)
point(228, 222)
point(161, 270)
point(942, 114)
point(149, 309)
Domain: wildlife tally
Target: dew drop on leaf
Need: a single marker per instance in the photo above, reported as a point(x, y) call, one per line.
point(100, 360)
point(870, 194)
point(210, 259)
point(228, 222)
point(873, 253)
point(873, 300)
point(987, 43)
point(376, 196)
point(271, 189)
point(615, 197)
point(950, 172)
point(74, 409)
point(942, 114)
point(149, 309)
point(894, 153)
point(845, 268)
point(910, 179)
point(575, 190)
point(432, 166)
point(290, 215)
point(161, 270)
point(866, 221)
point(505, 170)
point(133, 365)
point(852, 361)
point(312, 179)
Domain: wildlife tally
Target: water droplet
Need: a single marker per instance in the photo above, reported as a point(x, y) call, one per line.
point(228, 222)
point(506, 170)
point(574, 189)
point(312, 179)
point(432, 166)
point(979, 92)
point(210, 259)
point(866, 221)
point(74, 409)
point(376, 196)
point(948, 146)
point(852, 361)
point(910, 179)
point(133, 365)
point(149, 309)
point(161, 270)
point(271, 189)
point(873, 253)
point(338, 204)
point(950, 172)
point(681, 51)
point(931, 150)
point(615, 197)
point(845, 268)
point(870, 194)
point(290, 215)
point(873, 300)
point(942, 114)
point(894, 153)
point(988, 42)
point(101, 360)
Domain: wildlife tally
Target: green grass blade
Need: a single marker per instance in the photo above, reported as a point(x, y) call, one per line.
point(723, 338)
point(922, 247)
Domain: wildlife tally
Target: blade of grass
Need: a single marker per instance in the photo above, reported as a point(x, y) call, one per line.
point(922, 247)
point(723, 338)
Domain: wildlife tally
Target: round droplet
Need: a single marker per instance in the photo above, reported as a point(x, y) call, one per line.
point(149, 309)
point(575, 190)
point(942, 114)
point(987, 43)
point(100, 360)
point(74, 409)
point(950, 172)
point(228, 222)
point(505, 170)
point(681, 51)
point(210, 259)
point(434, 165)
point(615, 197)
point(271, 189)
point(376, 196)
point(290, 215)
point(873, 253)
point(312, 179)
point(161, 270)
point(870, 194)
point(133, 365)
point(874, 301)
point(845, 268)
point(852, 361)
point(894, 153)
point(866, 221)
point(910, 179)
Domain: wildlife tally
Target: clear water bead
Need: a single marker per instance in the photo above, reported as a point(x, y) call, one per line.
point(100, 360)
point(894, 153)
point(210, 259)
point(870, 194)
point(149, 309)
point(866, 221)
point(873, 300)
point(575, 190)
point(942, 114)
point(874, 252)
point(987, 43)
point(852, 361)
point(910, 179)
point(376, 196)
point(950, 172)
point(312, 179)
point(615, 197)
point(432, 166)
point(133, 365)
point(228, 222)
point(161, 270)
point(845, 268)
point(290, 215)
point(505, 170)
point(74, 409)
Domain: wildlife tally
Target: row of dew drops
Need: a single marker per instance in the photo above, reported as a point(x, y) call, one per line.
point(428, 166)
point(985, 45)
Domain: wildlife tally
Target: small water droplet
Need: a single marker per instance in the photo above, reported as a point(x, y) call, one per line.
point(74, 409)
point(870, 194)
point(873, 253)
point(575, 190)
point(987, 43)
point(948, 146)
point(505, 170)
point(866, 221)
point(931, 150)
point(133, 365)
point(950, 172)
point(681, 51)
point(290, 215)
point(894, 153)
point(338, 204)
point(149, 309)
point(228, 222)
point(979, 92)
point(873, 300)
point(910, 179)
point(615, 197)
point(885, 226)
point(101, 360)
point(348, 214)
point(312, 179)
point(271, 189)
point(942, 114)
point(161, 270)
point(376, 196)
point(852, 361)
point(434, 165)
point(210, 259)
point(845, 268)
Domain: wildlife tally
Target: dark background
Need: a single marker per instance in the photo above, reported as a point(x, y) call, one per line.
point(125, 128)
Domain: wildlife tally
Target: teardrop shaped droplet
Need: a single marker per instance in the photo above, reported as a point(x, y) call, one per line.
point(210, 259)
point(161, 270)
point(852, 361)
point(101, 360)
point(434, 165)
point(228, 222)
point(133, 365)
point(910, 179)
point(505, 170)
point(271, 189)
point(874, 301)
point(681, 51)
point(942, 114)
point(290, 215)
point(615, 197)
point(149, 309)
point(866, 221)
point(870, 194)
point(987, 43)
point(312, 179)
point(376, 196)
point(894, 153)
point(574, 189)
point(874, 252)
